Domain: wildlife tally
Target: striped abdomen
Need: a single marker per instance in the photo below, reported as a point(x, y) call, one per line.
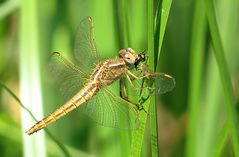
point(82, 96)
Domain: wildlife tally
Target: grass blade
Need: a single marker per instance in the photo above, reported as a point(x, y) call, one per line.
point(152, 102)
point(162, 14)
point(155, 41)
point(123, 35)
point(138, 135)
point(222, 141)
point(30, 83)
point(224, 75)
point(196, 64)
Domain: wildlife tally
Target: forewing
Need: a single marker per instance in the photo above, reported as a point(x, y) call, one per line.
point(110, 110)
point(85, 49)
point(159, 83)
point(67, 76)
point(155, 83)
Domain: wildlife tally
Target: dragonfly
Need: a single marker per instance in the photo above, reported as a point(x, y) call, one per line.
point(87, 83)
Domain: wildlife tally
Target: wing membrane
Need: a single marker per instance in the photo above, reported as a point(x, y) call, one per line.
point(110, 110)
point(85, 49)
point(159, 83)
point(156, 83)
point(68, 77)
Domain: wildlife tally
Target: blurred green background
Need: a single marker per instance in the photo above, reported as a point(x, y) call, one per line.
point(193, 120)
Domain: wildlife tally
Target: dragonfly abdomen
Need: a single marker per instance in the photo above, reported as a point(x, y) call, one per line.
point(81, 97)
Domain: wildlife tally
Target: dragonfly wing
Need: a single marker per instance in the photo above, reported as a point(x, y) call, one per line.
point(68, 77)
point(85, 49)
point(110, 110)
point(159, 83)
point(155, 83)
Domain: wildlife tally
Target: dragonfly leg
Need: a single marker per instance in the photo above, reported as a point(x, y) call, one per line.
point(123, 92)
point(137, 77)
point(139, 107)
point(124, 95)
point(133, 75)
point(130, 81)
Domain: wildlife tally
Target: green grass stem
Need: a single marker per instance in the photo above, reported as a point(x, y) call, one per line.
point(196, 66)
point(152, 101)
point(124, 42)
point(221, 142)
point(138, 135)
point(162, 14)
point(30, 81)
point(224, 75)
point(156, 30)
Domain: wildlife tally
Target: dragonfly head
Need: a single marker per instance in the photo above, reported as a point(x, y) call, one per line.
point(131, 57)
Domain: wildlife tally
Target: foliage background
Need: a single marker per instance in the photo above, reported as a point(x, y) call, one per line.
point(193, 119)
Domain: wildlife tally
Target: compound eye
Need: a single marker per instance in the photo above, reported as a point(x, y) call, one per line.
point(126, 56)
point(130, 50)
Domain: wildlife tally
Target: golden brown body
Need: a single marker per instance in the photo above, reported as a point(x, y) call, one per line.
point(105, 74)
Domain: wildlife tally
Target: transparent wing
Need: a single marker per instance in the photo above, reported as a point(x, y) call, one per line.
point(110, 110)
point(68, 77)
point(159, 83)
point(155, 83)
point(85, 49)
